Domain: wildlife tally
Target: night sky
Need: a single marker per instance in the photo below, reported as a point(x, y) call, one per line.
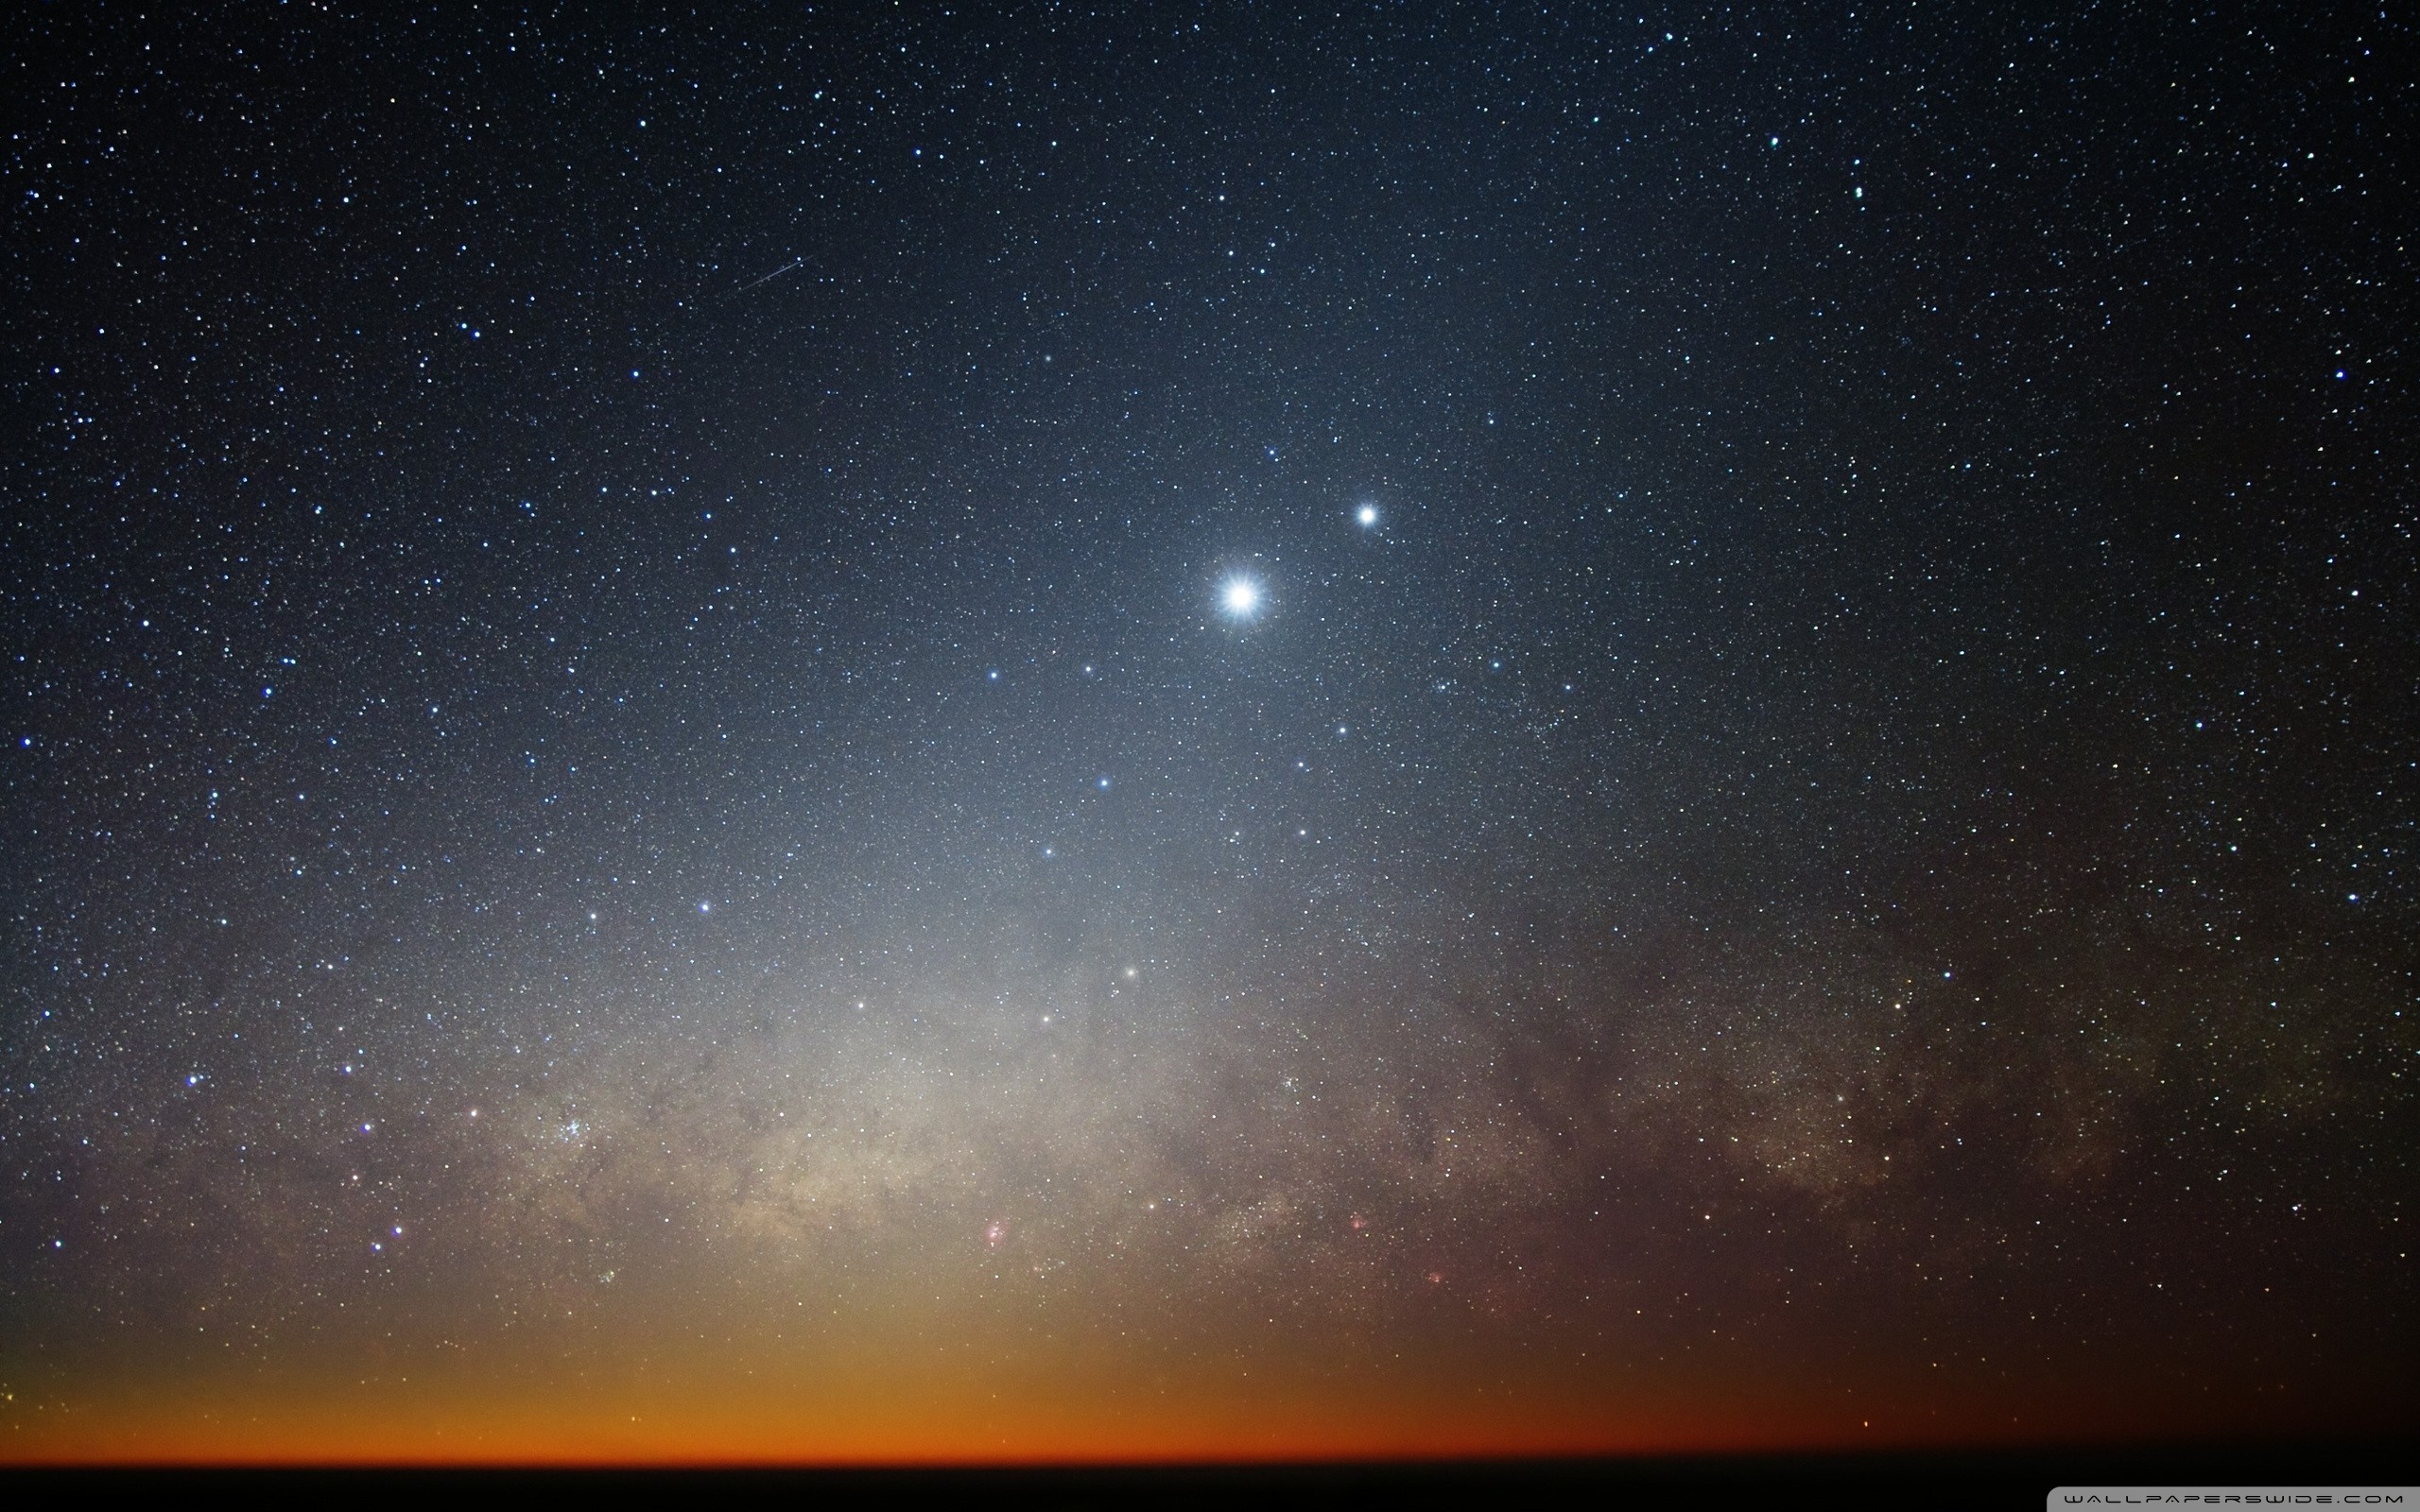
point(880, 733)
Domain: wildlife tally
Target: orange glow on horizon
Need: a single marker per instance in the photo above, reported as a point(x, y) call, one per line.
point(848, 1420)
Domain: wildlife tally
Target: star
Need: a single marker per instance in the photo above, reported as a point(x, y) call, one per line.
point(1240, 597)
point(1368, 515)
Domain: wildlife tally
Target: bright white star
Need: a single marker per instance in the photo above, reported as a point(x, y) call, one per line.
point(1241, 597)
point(1367, 514)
